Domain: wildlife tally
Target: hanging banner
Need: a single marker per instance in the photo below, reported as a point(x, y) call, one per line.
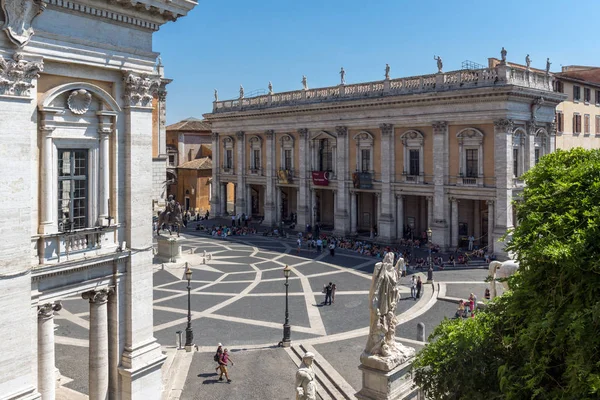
point(284, 176)
point(320, 178)
point(362, 180)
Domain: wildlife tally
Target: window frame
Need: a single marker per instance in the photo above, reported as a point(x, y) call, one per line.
point(586, 124)
point(255, 159)
point(62, 227)
point(470, 139)
point(287, 143)
point(576, 93)
point(576, 124)
point(228, 154)
point(587, 95)
point(597, 125)
point(325, 158)
point(413, 140)
point(560, 121)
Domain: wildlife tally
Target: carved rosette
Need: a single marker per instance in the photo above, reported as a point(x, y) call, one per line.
point(440, 127)
point(503, 125)
point(269, 134)
point(140, 89)
point(342, 131)
point(386, 129)
point(79, 101)
point(19, 15)
point(98, 296)
point(47, 310)
point(303, 132)
point(17, 75)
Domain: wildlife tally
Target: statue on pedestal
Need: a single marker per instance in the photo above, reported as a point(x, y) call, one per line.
point(306, 386)
point(304, 82)
point(503, 55)
point(241, 92)
point(216, 95)
point(528, 61)
point(548, 63)
point(387, 71)
point(171, 215)
point(342, 76)
point(382, 351)
point(440, 64)
point(270, 87)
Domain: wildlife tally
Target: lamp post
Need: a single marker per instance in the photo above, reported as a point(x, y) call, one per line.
point(189, 334)
point(286, 326)
point(430, 270)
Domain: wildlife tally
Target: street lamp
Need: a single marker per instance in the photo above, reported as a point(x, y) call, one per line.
point(189, 334)
point(286, 326)
point(429, 244)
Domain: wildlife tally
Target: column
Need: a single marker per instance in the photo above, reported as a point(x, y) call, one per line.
point(46, 358)
point(429, 211)
point(454, 225)
point(353, 212)
point(223, 199)
point(477, 221)
point(98, 343)
point(341, 217)
point(270, 213)
point(216, 199)
point(503, 159)
point(530, 147)
point(249, 200)
point(162, 118)
point(377, 211)
point(278, 206)
point(104, 186)
point(313, 204)
point(551, 126)
point(386, 213)
point(240, 170)
point(47, 204)
point(490, 233)
point(303, 159)
point(439, 223)
point(400, 216)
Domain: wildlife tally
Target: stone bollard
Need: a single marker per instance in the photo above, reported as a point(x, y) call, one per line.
point(421, 332)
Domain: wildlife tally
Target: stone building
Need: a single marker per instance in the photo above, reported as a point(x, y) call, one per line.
point(443, 151)
point(77, 88)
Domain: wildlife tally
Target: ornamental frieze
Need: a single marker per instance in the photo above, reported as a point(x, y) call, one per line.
point(17, 75)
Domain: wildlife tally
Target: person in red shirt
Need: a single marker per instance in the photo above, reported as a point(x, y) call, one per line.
point(225, 359)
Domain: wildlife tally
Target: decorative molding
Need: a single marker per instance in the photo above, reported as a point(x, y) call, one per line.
point(342, 131)
point(140, 89)
point(17, 75)
point(386, 129)
point(19, 16)
point(239, 135)
point(303, 132)
point(46, 311)
point(269, 133)
point(79, 101)
point(440, 127)
point(98, 296)
point(504, 125)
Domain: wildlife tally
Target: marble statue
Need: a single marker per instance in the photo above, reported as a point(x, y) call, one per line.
point(500, 270)
point(387, 71)
point(382, 351)
point(528, 61)
point(503, 55)
point(548, 64)
point(306, 386)
point(216, 95)
point(270, 88)
point(241, 92)
point(440, 63)
point(342, 76)
point(171, 215)
point(304, 82)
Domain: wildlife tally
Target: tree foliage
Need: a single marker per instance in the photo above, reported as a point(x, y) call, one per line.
point(545, 334)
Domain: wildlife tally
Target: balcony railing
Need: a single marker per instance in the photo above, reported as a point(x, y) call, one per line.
point(255, 171)
point(227, 169)
point(470, 181)
point(485, 77)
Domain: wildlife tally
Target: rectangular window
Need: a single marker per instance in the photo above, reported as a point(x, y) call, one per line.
point(72, 189)
point(576, 93)
point(587, 95)
point(598, 97)
point(365, 160)
point(229, 159)
point(172, 160)
point(256, 159)
point(586, 124)
point(516, 162)
point(559, 87)
point(560, 122)
point(287, 159)
point(413, 162)
point(472, 163)
point(325, 156)
point(597, 124)
point(576, 123)
point(537, 156)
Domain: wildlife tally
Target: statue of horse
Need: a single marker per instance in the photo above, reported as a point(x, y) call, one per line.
point(171, 215)
point(501, 270)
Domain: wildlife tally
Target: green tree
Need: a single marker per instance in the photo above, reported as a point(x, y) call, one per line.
point(546, 332)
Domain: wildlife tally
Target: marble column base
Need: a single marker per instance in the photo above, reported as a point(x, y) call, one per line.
point(169, 249)
point(396, 384)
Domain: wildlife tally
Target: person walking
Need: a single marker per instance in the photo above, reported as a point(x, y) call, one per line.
point(233, 220)
point(225, 359)
point(332, 248)
point(217, 356)
point(333, 288)
point(487, 295)
point(319, 245)
point(299, 245)
point(419, 286)
point(413, 288)
point(328, 291)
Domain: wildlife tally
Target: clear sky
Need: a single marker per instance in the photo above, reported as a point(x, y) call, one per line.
point(224, 43)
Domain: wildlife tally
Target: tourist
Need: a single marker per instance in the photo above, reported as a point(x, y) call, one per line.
point(471, 240)
point(472, 304)
point(419, 286)
point(461, 309)
point(299, 245)
point(332, 248)
point(319, 245)
point(333, 288)
point(218, 355)
point(328, 289)
point(413, 288)
point(225, 359)
point(487, 295)
point(232, 220)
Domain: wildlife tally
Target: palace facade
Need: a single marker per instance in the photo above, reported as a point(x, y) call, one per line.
point(443, 151)
point(78, 84)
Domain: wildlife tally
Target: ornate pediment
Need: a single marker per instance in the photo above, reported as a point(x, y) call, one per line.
point(19, 18)
point(16, 75)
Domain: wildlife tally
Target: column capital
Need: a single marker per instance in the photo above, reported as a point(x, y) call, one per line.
point(139, 89)
point(429, 198)
point(303, 132)
point(386, 129)
point(453, 199)
point(551, 127)
point(503, 125)
point(399, 196)
point(378, 194)
point(215, 135)
point(440, 127)
point(47, 310)
point(342, 131)
point(490, 202)
point(239, 135)
point(17, 74)
point(269, 134)
point(98, 296)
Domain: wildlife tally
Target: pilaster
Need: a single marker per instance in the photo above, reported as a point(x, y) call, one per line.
point(503, 159)
point(215, 198)
point(386, 229)
point(399, 216)
point(270, 200)
point(342, 220)
point(530, 146)
point(302, 201)
point(454, 224)
point(240, 171)
point(439, 223)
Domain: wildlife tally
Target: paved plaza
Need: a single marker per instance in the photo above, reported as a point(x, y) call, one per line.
point(238, 298)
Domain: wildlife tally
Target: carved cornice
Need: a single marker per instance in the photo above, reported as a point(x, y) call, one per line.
point(386, 129)
point(503, 125)
point(17, 75)
point(303, 132)
point(269, 133)
point(19, 15)
point(139, 89)
point(440, 127)
point(98, 296)
point(47, 310)
point(342, 131)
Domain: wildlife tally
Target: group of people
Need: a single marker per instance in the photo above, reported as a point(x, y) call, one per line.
point(329, 291)
point(416, 285)
point(318, 243)
point(467, 308)
point(239, 219)
point(223, 359)
point(224, 231)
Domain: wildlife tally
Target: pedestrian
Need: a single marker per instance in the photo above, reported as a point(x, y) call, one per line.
point(225, 359)
point(218, 355)
point(328, 290)
point(487, 295)
point(332, 248)
point(333, 287)
point(471, 240)
point(319, 245)
point(413, 288)
point(299, 245)
point(233, 220)
point(246, 221)
point(372, 233)
point(207, 214)
point(419, 285)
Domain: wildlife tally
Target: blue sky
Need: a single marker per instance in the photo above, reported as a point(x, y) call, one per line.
point(222, 44)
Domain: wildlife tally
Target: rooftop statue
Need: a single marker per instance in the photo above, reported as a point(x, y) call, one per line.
point(503, 55)
point(440, 64)
point(304, 82)
point(216, 95)
point(528, 61)
point(270, 88)
point(387, 71)
point(342, 76)
point(241, 92)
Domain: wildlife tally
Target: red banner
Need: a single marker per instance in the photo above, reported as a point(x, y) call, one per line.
point(320, 178)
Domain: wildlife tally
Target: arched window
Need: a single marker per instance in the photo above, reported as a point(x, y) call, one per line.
point(412, 142)
point(364, 151)
point(470, 150)
point(255, 155)
point(287, 153)
point(228, 154)
point(518, 152)
point(541, 144)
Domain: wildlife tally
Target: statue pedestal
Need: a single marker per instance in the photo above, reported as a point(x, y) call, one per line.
point(395, 384)
point(169, 249)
